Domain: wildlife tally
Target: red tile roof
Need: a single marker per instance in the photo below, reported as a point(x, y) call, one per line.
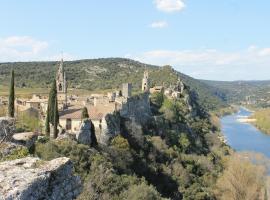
point(95, 112)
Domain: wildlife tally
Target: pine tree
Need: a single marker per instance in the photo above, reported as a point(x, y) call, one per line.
point(11, 109)
point(85, 114)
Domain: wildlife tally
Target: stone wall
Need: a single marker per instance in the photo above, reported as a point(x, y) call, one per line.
point(30, 178)
point(138, 108)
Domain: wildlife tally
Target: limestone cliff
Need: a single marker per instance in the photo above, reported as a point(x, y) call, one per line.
point(30, 178)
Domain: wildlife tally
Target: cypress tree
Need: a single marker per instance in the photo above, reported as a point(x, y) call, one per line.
point(47, 122)
point(51, 102)
point(93, 136)
point(55, 118)
point(50, 118)
point(11, 107)
point(85, 114)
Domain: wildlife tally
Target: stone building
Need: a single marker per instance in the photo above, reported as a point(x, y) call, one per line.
point(145, 82)
point(175, 91)
point(61, 84)
point(70, 119)
point(127, 90)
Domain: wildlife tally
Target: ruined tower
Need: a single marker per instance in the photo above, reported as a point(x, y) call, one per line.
point(145, 82)
point(127, 89)
point(61, 84)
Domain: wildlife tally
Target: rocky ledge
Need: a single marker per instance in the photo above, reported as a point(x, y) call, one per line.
point(31, 178)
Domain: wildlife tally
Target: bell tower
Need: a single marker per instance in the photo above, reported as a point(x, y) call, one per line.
point(61, 84)
point(145, 82)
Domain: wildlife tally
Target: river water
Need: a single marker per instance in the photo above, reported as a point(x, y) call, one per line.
point(244, 136)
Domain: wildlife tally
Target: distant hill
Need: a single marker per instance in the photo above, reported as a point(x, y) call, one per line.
point(257, 92)
point(107, 73)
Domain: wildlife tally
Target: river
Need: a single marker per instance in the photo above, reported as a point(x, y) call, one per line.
point(244, 136)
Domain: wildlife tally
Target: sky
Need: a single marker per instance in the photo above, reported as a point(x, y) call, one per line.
point(206, 39)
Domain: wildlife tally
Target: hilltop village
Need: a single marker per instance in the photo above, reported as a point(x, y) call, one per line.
point(156, 143)
point(102, 109)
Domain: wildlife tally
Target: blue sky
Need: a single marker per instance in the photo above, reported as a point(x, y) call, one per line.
point(208, 39)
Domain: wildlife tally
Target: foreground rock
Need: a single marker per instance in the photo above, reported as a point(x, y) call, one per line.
point(31, 178)
point(27, 138)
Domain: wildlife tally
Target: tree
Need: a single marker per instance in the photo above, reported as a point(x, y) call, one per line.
point(56, 118)
point(51, 102)
point(11, 109)
point(157, 99)
point(47, 122)
point(93, 135)
point(51, 109)
point(241, 180)
point(85, 114)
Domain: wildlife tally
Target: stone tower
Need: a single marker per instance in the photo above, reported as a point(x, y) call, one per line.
point(61, 84)
point(145, 82)
point(127, 89)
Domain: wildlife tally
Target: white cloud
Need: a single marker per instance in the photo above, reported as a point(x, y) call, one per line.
point(159, 24)
point(26, 48)
point(169, 5)
point(250, 63)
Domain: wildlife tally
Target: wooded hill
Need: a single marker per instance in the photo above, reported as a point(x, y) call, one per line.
point(104, 74)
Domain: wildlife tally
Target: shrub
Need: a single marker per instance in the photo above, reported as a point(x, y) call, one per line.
point(120, 143)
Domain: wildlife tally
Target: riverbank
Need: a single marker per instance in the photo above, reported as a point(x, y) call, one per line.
point(262, 122)
point(226, 111)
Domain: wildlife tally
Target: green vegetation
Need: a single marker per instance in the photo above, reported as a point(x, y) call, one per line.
point(16, 153)
point(101, 75)
point(11, 100)
point(263, 118)
point(27, 122)
point(256, 93)
point(228, 110)
point(3, 110)
point(241, 180)
point(179, 157)
point(52, 110)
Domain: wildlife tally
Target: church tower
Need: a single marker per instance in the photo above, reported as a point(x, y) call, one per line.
point(61, 84)
point(145, 82)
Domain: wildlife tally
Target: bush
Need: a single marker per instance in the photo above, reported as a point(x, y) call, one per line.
point(120, 143)
point(241, 180)
point(19, 152)
point(78, 153)
point(141, 192)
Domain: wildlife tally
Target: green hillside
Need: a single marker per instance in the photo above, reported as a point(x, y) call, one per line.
point(257, 93)
point(104, 74)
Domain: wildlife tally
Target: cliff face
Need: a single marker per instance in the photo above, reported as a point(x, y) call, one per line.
point(30, 178)
point(137, 108)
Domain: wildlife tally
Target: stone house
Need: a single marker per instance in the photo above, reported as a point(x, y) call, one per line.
point(70, 119)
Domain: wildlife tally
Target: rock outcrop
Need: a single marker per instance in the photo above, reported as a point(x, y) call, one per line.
point(138, 108)
point(31, 178)
point(84, 134)
point(7, 129)
point(26, 139)
point(110, 127)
